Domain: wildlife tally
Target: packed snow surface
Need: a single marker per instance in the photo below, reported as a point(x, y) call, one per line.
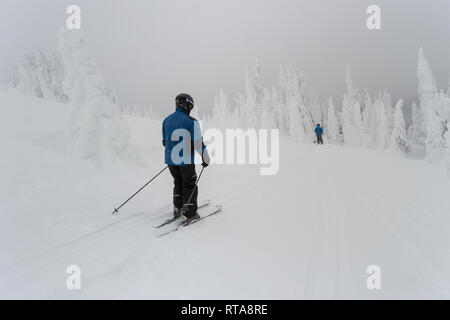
point(310, 231)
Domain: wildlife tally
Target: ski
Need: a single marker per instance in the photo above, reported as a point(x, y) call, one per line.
point(201, 205)
point(216, 209)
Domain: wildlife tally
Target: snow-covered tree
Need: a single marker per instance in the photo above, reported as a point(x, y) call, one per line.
point(296, 129)
point(415, 130)
point(254, 94)
point(268, 117)
point(258, 82)
point(358, 126)
point(369, 120)
point(347, 109)
point(29, 83)
point(44, 76)
point(57, 77)
point(39, 75)
point(332, 124)
point(97, 130)
point(427, 88)
point(310, 99)
point(221, 113)
point(447, 141)
point(299, 117)
point(282, 110)
point(382, 125)
point(138, 110)
point(278, 111)
point(387, 101)
point(398, 141)
point(435, 144)
point(444, 107)
point(434, 123)
point(237, 116)
point(351, 115)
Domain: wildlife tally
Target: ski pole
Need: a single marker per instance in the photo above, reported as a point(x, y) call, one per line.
point(116, 210)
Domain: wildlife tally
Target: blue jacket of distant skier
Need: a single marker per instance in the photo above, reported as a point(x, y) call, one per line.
point(182, 136)
point(318, 131)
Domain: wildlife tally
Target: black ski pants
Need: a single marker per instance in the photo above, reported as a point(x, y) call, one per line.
point(319, 140)
point(184, 179)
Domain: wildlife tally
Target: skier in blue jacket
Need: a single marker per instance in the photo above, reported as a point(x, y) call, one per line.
point(181, 138)
point(319, 132)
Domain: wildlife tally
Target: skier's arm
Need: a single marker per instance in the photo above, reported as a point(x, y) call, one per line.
point(163, 135)
point(205, 158)
point(199, 144)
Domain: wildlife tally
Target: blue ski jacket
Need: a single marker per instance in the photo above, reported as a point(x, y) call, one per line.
point(182, 136)
point(318, 131)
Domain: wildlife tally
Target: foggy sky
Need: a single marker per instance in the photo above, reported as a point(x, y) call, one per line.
point(151, 50)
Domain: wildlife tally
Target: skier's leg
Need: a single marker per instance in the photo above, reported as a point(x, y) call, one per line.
point(178, 186)
point(189, 180)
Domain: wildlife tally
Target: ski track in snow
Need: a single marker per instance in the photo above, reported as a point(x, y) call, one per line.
point(74, 241)
point(326, 237)
point(308, 232)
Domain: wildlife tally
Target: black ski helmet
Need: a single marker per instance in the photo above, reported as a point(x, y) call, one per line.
point(184, 101)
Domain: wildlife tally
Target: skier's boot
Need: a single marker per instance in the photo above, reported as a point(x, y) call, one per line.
point(177, 212)
point(188, 219)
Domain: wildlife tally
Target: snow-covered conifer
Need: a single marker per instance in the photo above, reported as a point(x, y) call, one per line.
point(398, 141)
point(332, 124)
point(97, 130)
point(382, 125)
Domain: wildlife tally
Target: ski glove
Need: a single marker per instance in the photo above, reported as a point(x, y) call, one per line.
point(205, 159)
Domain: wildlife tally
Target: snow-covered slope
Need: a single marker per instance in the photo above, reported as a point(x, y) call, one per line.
point(309, 232)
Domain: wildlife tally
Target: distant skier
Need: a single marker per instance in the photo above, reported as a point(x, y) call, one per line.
point(319, 132)
point(181, 138)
